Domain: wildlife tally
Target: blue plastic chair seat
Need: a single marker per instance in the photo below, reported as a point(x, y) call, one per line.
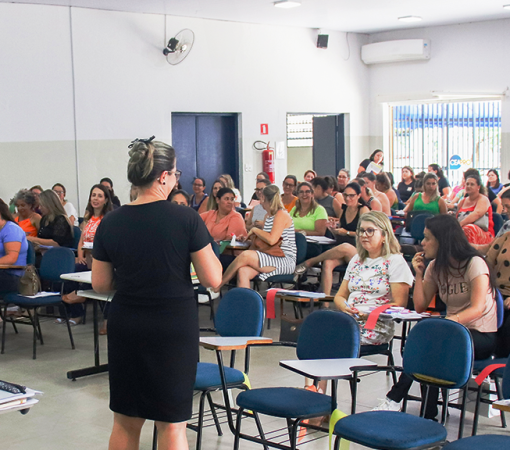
point(27, 302)
point(390, 430)
point(485, 442)
point(208, 376)
point(285, 402)
point(481, 364)
point(289, 278)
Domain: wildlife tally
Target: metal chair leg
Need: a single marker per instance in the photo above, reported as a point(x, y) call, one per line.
point(477, 409)
point(69, 328)
point(200, 420)
point(215, 416)
point(497, 382)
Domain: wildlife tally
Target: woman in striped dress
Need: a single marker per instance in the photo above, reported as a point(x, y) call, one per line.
point(278, 224)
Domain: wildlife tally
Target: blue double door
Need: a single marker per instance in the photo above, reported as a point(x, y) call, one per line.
point(206, 146)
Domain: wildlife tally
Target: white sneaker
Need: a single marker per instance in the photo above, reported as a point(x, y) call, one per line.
point(388, 405)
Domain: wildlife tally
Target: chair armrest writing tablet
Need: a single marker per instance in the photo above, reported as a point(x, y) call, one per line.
point(232, 343)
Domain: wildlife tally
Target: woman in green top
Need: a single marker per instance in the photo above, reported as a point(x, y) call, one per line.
point(428, 200)
point(309, 217)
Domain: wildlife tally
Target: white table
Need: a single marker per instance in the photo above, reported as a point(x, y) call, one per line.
point(326, 369)
point(86, 277)
point(331, 369)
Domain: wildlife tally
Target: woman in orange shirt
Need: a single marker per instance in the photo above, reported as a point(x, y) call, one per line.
point(223, 222)
point(98, 205)
point(27, 218)
point(288, 197)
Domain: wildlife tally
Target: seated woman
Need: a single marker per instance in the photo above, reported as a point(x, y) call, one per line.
point(309, 217)
point(309, 175)
point(320, 193)
point(442, 181)
point(288, 198)
point(13, 250)
point(406, 186)
point(99, 204)
point(224, 221)
point(257, 215)
point(260, 176)
point(383, 184)
point(55, 228)
point(251, 263)
point(352, 212)
point(199, 195)
point(475, 212)
point(211, 203)
point(37, 190)
point(462, 278)
point(372, 164)
point(429, 200)
point(229, 182)
point(27, 218)
point(367, 196)
point(180, 197)
point(342, 179)
point(333, 188)
point(108, 183)
point(370, 179)
point(70, 210)
point(493, 182)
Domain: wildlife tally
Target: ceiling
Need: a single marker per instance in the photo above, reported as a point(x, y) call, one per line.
point(360, 16)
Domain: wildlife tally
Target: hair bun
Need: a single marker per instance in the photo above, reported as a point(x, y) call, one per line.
point(141, 163)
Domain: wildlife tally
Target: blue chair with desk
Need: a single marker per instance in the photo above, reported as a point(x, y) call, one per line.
point(488, 441)
point(444, 361)
point(55, 262)
point(325, 335)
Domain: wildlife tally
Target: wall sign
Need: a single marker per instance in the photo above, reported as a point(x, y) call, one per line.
point(264, 128)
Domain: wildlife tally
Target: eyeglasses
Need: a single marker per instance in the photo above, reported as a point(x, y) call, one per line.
point(58, 192)
point(177, 174)
point(288, 185)
point(258, 189)
point(305, 192)
point(198, 185)
point(369, 231)
point(343, 177)
point(349, 195)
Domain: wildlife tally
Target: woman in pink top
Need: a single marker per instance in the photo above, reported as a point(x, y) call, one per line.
point(461, 277)
point(223, 222)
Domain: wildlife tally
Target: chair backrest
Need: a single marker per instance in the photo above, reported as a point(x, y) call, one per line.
point(439, 352)
point(240, 313)
point(418, 225)
point(506, 380)
point(55, 262)
point(500, 311)
point(498, 222)
point(410, 218)
point(30, 254)
point(77, 236)
point(327, 335)
point(301, 248)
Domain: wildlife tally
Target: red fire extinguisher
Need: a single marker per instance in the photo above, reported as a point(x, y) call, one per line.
point(268, 162)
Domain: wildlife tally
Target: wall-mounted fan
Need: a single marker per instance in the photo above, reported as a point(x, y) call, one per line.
point(179, 46)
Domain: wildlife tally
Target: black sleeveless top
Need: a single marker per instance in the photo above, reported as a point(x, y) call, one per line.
point(352, 226)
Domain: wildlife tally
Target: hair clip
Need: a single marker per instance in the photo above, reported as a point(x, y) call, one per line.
point(145, 141)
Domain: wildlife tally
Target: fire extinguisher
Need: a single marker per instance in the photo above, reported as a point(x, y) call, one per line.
point(268, 162)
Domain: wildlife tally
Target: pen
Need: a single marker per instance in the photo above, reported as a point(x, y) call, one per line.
point(354, 310)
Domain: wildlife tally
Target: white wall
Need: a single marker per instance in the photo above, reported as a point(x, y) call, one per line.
point(124, 89)
point(470, 57)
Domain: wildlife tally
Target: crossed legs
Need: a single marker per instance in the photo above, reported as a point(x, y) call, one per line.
point(246, 266)
point(341, 254)
point(126, 434)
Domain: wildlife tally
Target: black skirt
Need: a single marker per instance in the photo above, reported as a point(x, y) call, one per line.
point(152, 357)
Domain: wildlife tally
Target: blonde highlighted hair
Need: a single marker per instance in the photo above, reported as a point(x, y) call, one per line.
point(49, 200)
point(147, 160)
point(390, 244)
point(272, 194)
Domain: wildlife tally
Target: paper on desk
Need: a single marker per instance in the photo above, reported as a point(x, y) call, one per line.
point(42, 294)
point(88, 245)
point(304, 294)
point(8, 399)
point(320, 239)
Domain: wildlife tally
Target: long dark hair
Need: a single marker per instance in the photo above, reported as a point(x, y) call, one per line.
point(437, 169)
point(495, 172)
point(4, 212)
point(108, 206)
point(453, 245)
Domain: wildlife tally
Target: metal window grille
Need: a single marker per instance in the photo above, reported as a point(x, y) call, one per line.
point(457, 136)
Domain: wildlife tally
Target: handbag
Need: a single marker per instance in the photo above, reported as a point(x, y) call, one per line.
point(264, 247)
point(482, 222)
point(290, 328)
point(29, 283)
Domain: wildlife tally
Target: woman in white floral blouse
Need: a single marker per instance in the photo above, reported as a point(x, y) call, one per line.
point(376, 276)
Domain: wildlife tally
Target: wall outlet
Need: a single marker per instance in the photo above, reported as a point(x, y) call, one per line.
point(248, 168)
point(280, 150)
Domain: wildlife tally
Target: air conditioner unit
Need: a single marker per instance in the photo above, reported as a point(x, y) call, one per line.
point(395, 51)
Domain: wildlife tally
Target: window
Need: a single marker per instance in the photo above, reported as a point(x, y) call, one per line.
point(456, 136)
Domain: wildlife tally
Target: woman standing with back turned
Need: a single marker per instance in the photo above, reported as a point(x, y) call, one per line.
point(152, 323)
